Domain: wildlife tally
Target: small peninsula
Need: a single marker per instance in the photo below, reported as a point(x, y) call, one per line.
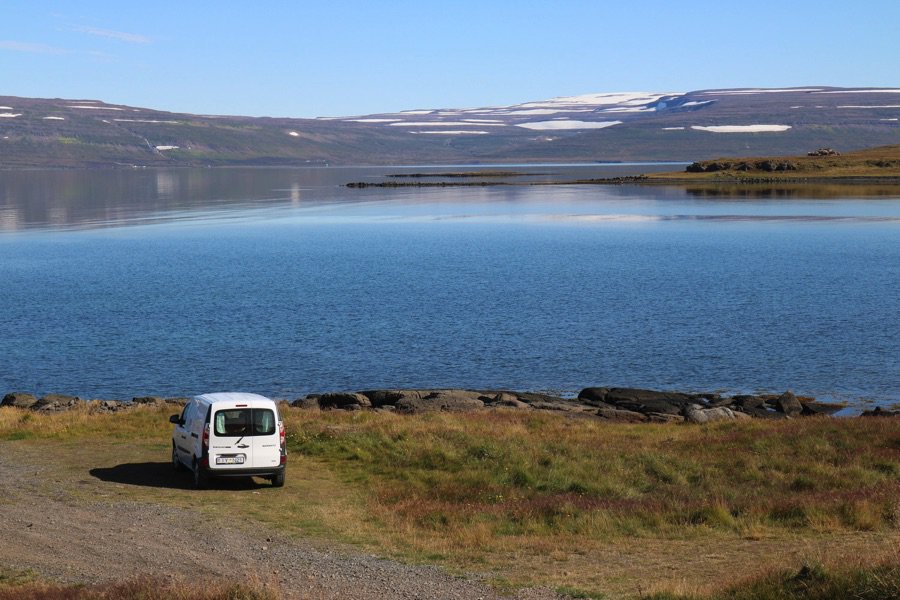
point(872, 165)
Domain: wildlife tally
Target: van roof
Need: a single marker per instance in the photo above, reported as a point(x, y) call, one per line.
point(232, 397)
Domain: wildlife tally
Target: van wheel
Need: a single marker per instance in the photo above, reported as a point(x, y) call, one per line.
point(176, 463)
point(278, 478)
point(199, 476)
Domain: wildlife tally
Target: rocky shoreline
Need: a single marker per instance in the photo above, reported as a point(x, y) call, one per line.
point(622, 405)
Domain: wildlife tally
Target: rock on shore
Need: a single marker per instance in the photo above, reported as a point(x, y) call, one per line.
point(623, 405)
point(630, 405)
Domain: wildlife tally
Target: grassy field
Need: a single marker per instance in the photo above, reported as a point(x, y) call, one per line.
point(532, 498)
point(881, 163)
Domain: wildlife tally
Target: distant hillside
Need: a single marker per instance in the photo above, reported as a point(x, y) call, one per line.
point(596, 127)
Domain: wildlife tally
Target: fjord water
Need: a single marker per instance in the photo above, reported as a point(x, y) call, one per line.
point(283, 281)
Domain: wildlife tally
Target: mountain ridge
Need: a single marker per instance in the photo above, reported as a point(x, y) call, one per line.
point(611, 126)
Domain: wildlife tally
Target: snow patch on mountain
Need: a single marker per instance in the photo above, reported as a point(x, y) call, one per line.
point(881, 91)
point(540, 111)
point(603, 99)
point(452, 132)
point(442, 124)
point(746, 91)
point(741, 128)
point(869, 106)
point(95, 107)
point(567, 124)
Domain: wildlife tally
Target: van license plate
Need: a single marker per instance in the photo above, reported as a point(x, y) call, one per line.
point(229, 460)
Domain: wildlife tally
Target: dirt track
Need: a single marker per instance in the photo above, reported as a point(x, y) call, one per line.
point(46, 528)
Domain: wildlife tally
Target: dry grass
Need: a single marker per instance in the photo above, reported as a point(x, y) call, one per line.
point(141, 589)
point(879, 582)
point(478, 477)
point(535, 497)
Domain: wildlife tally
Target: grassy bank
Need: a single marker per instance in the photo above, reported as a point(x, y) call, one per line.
point(538, 498)
point(872, 164)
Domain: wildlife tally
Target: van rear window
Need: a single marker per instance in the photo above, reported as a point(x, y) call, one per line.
point(237, 422)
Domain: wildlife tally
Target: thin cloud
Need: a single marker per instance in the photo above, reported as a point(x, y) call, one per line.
point(121, 36)
point(30, 47)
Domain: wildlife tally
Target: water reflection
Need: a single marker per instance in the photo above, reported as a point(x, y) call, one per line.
point(108, 198)
point(813, 191)
point(102, 198)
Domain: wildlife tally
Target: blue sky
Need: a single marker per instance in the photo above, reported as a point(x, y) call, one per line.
point(307, 59)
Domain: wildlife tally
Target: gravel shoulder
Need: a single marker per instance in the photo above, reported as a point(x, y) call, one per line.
point(48, 529)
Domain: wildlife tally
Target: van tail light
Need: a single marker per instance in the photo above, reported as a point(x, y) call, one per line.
point(281, 437)
point(206, 437)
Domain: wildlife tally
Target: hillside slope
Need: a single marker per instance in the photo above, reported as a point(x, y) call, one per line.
point(594, 127)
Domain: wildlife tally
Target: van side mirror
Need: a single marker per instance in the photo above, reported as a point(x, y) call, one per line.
point(176, 419)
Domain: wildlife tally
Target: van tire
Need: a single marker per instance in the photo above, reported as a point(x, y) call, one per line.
point(278, 478)
point(176, 462)
point(199, 476)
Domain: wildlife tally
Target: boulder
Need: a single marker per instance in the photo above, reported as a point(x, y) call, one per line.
point(562, 406)
point(531, 397)
point(788, 404)
point(56, 402)
point(746, 401)
point(880, 412)
point(440, 400)
point(387, 397)
point(642, 395)
point(664, 418)
point(505, 400)
point(344, 400)
point(177, 401)
point(641, 400)
point(19, 400)
point(107, 405)
point(821, 408)
point(762, 413)
point(593, 394)
point(148, 400)
point(621, 416)
point(695, 413)
point(719, 402)
point(309, 403)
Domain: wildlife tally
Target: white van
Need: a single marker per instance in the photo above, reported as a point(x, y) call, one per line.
point(230, 434)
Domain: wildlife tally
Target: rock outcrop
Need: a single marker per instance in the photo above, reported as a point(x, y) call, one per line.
point(622, 405)
point(614, 404)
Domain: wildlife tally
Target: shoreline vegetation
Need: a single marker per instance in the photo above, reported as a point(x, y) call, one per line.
point(591, 508)
point(879, 165)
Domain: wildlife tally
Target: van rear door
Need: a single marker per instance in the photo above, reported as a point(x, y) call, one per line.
point(230, 440)
point(265, 440)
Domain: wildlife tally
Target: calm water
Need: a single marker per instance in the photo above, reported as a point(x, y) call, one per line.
point(282, 281)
